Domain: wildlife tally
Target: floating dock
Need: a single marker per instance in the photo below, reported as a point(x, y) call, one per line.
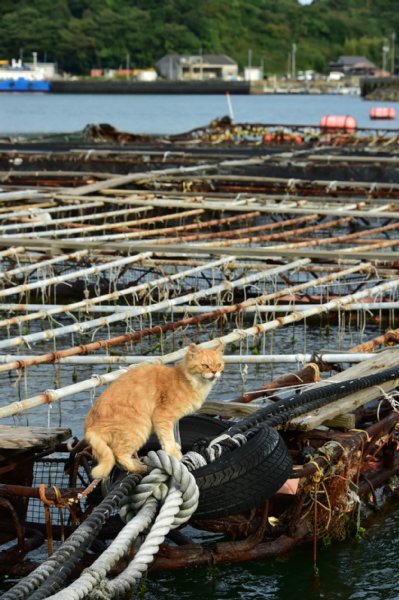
point(118, 248)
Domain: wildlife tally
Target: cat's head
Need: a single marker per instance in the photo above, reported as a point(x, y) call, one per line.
point(206, 363)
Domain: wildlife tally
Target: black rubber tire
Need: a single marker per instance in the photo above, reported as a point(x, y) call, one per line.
point(192, 429)
point(243, 478)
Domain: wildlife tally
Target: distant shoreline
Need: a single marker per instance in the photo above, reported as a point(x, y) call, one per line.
point(149, 87)
point(87, 86)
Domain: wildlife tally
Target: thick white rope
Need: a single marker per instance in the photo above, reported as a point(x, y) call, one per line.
point(123, 583)
point(92, 576)
point(169, 482)
point(163, 467)
point(194, 460)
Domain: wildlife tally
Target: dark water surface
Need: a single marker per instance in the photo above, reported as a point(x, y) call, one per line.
point(355, 570)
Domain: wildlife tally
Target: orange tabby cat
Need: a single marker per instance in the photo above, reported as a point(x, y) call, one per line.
point(149, 398)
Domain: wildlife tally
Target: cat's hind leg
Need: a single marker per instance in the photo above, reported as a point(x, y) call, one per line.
point(129, 443)
point(131, 464)
point(102, 453)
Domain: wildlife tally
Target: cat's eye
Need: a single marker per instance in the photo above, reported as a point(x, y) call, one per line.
point(205, 365)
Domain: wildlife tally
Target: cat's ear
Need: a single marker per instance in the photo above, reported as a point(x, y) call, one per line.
point(219, 346)
point(192, 349)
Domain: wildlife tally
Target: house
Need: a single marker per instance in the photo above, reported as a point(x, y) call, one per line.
point(353, 65)
point(197, 67)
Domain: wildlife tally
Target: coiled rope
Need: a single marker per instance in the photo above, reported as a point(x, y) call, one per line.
point(51, 575)
point(169, 483)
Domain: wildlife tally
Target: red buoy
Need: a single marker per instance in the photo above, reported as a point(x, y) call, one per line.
point(331, 123)
point(382, 112)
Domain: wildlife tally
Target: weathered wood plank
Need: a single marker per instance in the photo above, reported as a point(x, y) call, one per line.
point(228, 409)
point(18, 438)
point(384, 360)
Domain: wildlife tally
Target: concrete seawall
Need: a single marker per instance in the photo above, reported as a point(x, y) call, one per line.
point(380, 88)
point(153, 87)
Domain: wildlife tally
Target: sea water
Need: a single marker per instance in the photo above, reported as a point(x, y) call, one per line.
point(52, 113)
point(365, 569)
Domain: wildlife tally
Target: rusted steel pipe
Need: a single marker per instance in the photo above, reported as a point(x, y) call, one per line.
point(22, 491)
point(391, 337)
point(197, 225)
point(284, 234)
point(189, 556)
point(235, 232)
point(309, 374)
point(357, 438)
point(106, 226)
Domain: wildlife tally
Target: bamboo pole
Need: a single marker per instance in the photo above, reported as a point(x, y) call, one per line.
point(274, 308)
point(71, 276)
point(138, 335)
point(50, 396)
point(122, 180)
point(44, 263)
point(13, 251)
point(234, 233)
point(17, 208)
point(290, 183)
point(190, 309)
point(52, 209)
point(126, 359)
point(84, 304)
point(38, 222)
point(335, 200)
point(278, 207)
point(20, 195)
point(138, 311)
point(197, 250)
point(110, 226)
point(281, 235)
point(165, 230)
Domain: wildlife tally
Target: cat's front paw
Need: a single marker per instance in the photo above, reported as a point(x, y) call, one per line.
point(176, 453)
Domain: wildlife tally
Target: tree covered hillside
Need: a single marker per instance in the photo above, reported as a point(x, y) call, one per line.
point(81, 34)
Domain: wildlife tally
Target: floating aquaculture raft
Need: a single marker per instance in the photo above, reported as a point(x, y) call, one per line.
point(119, 248)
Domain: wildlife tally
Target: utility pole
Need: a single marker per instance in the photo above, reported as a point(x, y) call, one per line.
point(294, 47)
point(385, 50)
point(249, 59)
point(393, 37)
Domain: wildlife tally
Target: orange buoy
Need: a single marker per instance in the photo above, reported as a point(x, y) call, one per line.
point(382, 112)
point(333, 123)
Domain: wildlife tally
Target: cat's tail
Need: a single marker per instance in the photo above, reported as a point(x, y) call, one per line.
point(102, 453)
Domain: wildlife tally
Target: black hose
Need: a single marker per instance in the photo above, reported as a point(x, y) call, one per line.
point(49, 577)
point(284, 410)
